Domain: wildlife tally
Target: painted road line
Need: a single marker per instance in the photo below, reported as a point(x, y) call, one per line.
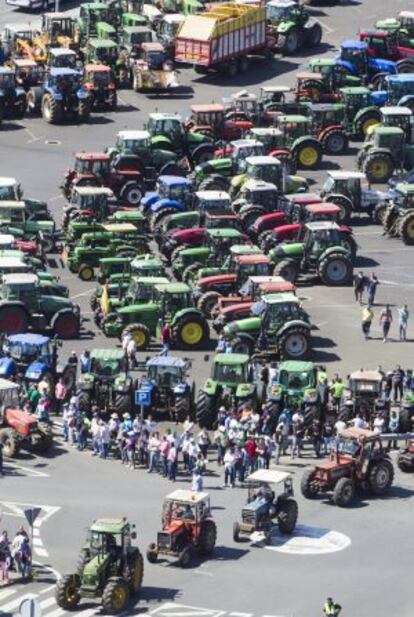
point(171, 609)
point(236, 614)
point(30, 472)
point(6, 593)
point(47, 602)
point(42, 552)
point(47, 589)
point(6, 608)
point(57, 613)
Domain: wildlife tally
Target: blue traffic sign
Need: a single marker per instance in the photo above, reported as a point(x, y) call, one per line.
point(143, 397)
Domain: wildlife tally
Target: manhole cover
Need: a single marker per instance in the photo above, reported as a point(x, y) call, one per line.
point(52, 142)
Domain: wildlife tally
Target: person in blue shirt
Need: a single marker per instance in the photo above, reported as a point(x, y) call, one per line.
point(85, 362)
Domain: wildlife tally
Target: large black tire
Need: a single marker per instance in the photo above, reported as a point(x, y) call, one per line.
point(184, 558)
point(288, 269)
point(287, 516)
point(189, 275)
point(83, 558)
point(115, 596)
point(403, 465)
point(112, 100)
point(335, 269)
point(313, 35)
point(244, 343)
point(306, 487)
point(69, 378)
point(182, 408)
point(207, 538)
point(140, 333)
point(368, 119)
point(67, 326)
point(206, 410)
point(405, 66)
point(250, 215)
point(84, 109)
point(295, 343)
point(378, 167)
point(406, 228)
point(85, 401)
point(191, 332)
point(207, 302)
point(86, 272)
point(67, 592)
point(134, 574)
point(159, 216)
point(10, 442)
point(381, 476)
point(132, 193)
point(152, 554)
point(345, 204)
point(236, 531)
point(13, 319)
point(43, 441)
point(378, 213)
point(335, 142)
point(264, 240)
point(289, 43)
point(123, 402)
point(52, 111)
point(389, 219)
point(214, 183)
point(344, 492)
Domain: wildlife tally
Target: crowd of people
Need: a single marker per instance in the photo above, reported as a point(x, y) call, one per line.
point(15, 555)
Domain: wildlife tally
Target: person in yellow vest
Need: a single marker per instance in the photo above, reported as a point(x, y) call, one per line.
point(331, 608)
point(337, 391)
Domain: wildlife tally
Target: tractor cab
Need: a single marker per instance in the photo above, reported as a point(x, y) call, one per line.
point(66, 80)
point(133, 19)
point(365, 387)
point(403, 196)
point(106, 31)
point(318, 236)
point(212, 202)
point(332, 74)
point(9, 396)
point(102, 51)
point(12, 213)
point(169, 127)
point(277, 309)
point(400, 89)
point(270, 137)
point(293, 382)
point(240, 149)
point(27, 353)
point(324, 211)
point(28, 72)
point(93, 13)
point(398, 117)
point(266, 168)
point(245, 103)
point(172, 297)
point(169, 27)
point(183, 513)
point(355, 98)
point(105, 364)
point(92, 163)
point(257, 285)
point(293, 127)
point(348, 183)
point(381, 43)
point(403, 24)
point(167, 372)
point(141, 288)
point(231, 369)
point(354, 56)
point(389, 138)
point(93, 199)
point(148, 266)
point(7, 80)
point(59, 27)
point(133, 38)
point(133, 142)
point(273, 95)
point(59, 57)
point(20, 287)
point(278, 11)
point(10, 190)
point(175, 188)
point(98, 77)
point(153, 57)
point(252, 265)
point(109, 538)
point(323, 115)
point(258, 193)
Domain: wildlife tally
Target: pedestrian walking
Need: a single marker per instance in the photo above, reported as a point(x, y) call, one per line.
point(403, 316)
point(154, 452)
point(372, 285)
point(229, 463)
point(4, 558)
point(85, 362)
point(297, 434)
point(327, 436)
point(385, 321)
point(337, 390)
point(221, 344)
point(359, 286)
point(61, 393)
point(131, 351)
point(165, 339)
point(397, 384)
point(317, 437)
point(367, 317)
point(164, 449)
point(172, 462)
point(203, 442)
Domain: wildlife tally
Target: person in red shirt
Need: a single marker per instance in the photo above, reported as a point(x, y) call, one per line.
point(165, 339)
point(250, 447)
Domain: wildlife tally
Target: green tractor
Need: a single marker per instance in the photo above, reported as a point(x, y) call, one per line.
point(106, 52)
point(399, 216)
point(297, 136)
point(293, 385)
point(107, 383)
point(268, 169)
point(90, 15)
point(109, 568)
point(359, 112)
point(15, 219)
point(290, 24)
point(113, 296)
point(170, 302)
point(403, 24)
point(385, 151)
point(235, 382)
point(87, 203)
point(278, 326)
point(323, 252)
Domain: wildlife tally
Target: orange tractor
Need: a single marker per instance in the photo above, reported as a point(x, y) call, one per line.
point(187, 528)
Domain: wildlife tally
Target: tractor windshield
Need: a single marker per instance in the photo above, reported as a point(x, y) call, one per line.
point(267, 173)
point(133, 145)
point(7, 80)
point(155, 60)
point(261, 198)
point(166, 376)
point(173, 510)
point(103, 542)
point(214, 205)
point(64, 61)
point(279, 312)
point(174, 302)
point(329, 185)
point(107, 367)
point(25, 351)
point(140, 291)
point(356, 57)
point(179, 192)
point(296, 380)
point(169, 127)
point(100, 167)
point(9, 193)
point(245, 151)
point(277, 13)
point(9, 398)
point(11, 215)
point(348, 446)
point(99, 78)
point(230, 373)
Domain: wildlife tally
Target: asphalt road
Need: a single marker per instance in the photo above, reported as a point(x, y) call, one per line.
point(366, 545)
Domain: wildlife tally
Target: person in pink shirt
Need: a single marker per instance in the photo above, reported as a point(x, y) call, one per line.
point(61, 393)
point(164, 450)
point(172, 462)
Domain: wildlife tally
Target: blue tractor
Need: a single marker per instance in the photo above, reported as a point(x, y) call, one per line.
point(12, 97)
point(32, 358)
point(355, 59)
point(60, 95)
point(398, 91)
point(167, 380)
point(264, 508)
point(173, 194)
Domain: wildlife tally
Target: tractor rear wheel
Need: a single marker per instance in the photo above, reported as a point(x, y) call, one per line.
point(85, 402)
point(115, 596)
point(184, 558)
point(344, 492)
point(264, 239)
point(308, 154)
point(206, 411)
point(378, 167)
point(245, 344)
point(335, 142)
point(288, 269)
point(381, 476)
point(307, 486)
point(214, 183)
point(366, 121)
point(189, 275)
point(290, 42)
point(123, 402)
point(85, 272)
point(294, 343)
point(335, 269)
point(83, 559)
point(140, 334)
point(135, 572)
point(52, 110)
point(182, 408)
point(405, 466)
point(389, 219)
point(67, 592)
point(13, 320)
point(159, 216)
point(10, 442)
point(191, 332)
point(207, 538)
point(287, 516)
point(132, 192)
point(406, 228)
point(250, 216)
point(313, 35)
point(345, 204)
point(43, 441)
point(207, 302)
point(378, 213)
point(67, 326)
point(152, 554)
point(236, 531)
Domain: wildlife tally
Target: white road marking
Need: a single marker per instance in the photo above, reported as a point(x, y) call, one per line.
point(6, 608)
point(171, 609)
point(325, 26)
point(307, 540)
point(202, 572)
point(31, 472)
point(37, 541)
point(47, 602)
point(42, 552)
point(83, 293)
point(46, 590)
point(236, 614)
point(6, 593)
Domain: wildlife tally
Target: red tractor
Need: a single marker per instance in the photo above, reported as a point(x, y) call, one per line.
point(385, 44)
point(215, 122)
point(187, 528)
point(99, 81)
point(95, 169)
point(358, 461)
point(17, 427)
point(405, 460)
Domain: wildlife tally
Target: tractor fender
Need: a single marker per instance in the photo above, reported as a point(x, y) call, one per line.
point(186, 312)
point(149, 199)
point(8, 367)
point(62, 311)
point(329, 129)
point(36, 370)
point(285, 26)
point(250, 324)
point(211, 387)
point(295, 323)
point(333, 249)
point(13, 304)
point(244, 390)
point(281, 151)
point(408, 98)
point(303, 139)
point(54, 92)
point(82, 94)
point(365, 110)
point(372, 150)
point(166, 203)
point(382, 66)
point(201, 149)
point(158, 141)
point(348, 66)
point(379, 98)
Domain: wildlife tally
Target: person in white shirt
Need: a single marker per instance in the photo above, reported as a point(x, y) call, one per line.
point(105, 438)
point(358, 422)
point(379, 425)
point(340, 426)
point(154, 452)
point(229, 462)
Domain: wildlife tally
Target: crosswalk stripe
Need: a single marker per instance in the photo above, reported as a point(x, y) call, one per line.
point(48, 602)
point(47, 589)
point(89, 612)
point(6, 608)
point(57, 613)
point(6, 593)
point(42, 552)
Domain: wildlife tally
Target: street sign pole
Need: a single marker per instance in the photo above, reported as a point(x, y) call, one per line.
point(143, 399)
point(31, 515)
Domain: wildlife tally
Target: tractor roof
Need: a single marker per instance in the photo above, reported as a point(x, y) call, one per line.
point(265, 130)
point(174, 18)
point(107, 354)
point(93, 190)
point(97, 68)
point(325, 106)
point(322, 62)
point(367, 375)
point(358, 434)
point(275, 89)
point(245, 143)
point(151, 46)
point(280, 298)
point(406, 15)
point(346, 175)
point(92, 156)
point(323, 207)
point(293, 118)
point(102, 43)
point(262, 160)
point(245, 260)
point(36, 340)
point(20, 278)
point(23, 63)
point(119, 227)
point(6, 239)
point(387, 130)
point(296, 366)
point(4, 181)
point(270, 476)
point(244, 249)
point(6, 384)
point(16, 205)
point(164, 116)
point(136, 29)
point(206, 108)
point(224, 233)
point(395, 110)
point(285, 4)
point(187, 496)
point(259, 280)
point(243, 95)
point(231, 359)
point(61, 51)
point(321, 226)
point(258, 185)
point(109, 525)
point(139, 135)
point(174, 181)
point(167, 361)
point(401, 78)
point(212, 195)
point(63, 72)
point(173, 288)
point(150, 280)
point(355, 45)
point(352, 90)
point(405, 188)
point(12, 263)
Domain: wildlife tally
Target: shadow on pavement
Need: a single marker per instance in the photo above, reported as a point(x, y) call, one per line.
point(365, 262)
point(159, 594)
point(227, 553)
point(273, 67)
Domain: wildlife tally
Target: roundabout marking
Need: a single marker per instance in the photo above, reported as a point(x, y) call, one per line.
point(306, 540)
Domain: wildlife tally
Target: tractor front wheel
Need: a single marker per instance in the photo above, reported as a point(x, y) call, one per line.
point(207, 302)
point(335, 142)
point(67, 592)
point(290, 42)
point(288, 269)
point(287, 516)
point(405, 466)
point(314, 35)
point(344, 492)
point(308, 154)
point(307, 483)
point(115, 596)
point(84, 109)
point(294, 343)
point(86, 272)
point(152, 554)
point(207, 538)
point(52, 111)
point(85, 401)
point(10, 442)
point(381, 476)
point(335, 269)
point(123, 402)
point(406, 228)
point(112, 100)
point(344, 204)
point(206, 411)
point(184, 558)
point(236, 531)
point(378, 167)
point(389, 219)
point(13, 320)
point(132, 193)
point(191, 332)
point(190, 273)
point(67, 326)
point(378, 213)
point(250, 216)
point(140, 334)
point(159, 216)
point(135, 573)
